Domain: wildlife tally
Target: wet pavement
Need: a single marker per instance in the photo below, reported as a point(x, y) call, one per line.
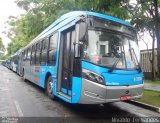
point(24, 99)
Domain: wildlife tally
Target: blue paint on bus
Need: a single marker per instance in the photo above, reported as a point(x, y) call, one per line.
point(117, 77)
point(43, 72)
point(66, 18)
point(76, 89)
point(78, 92)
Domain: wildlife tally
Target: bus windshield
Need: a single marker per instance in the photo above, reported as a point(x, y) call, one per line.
point(107, 49)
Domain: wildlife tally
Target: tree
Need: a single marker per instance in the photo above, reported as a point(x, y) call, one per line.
point(144, 14)
point(41, 13)
point(2, 48)
point(112, 7)
point(157, 29)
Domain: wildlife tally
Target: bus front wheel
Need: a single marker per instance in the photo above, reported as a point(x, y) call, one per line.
point(49, 87)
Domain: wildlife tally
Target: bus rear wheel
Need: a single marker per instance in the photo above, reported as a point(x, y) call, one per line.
point(49, 87)
point(23, 75)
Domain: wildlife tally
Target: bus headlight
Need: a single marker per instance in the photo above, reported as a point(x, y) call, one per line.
point(92, 76)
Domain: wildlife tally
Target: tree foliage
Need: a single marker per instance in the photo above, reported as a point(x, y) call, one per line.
point(146, 17)
point(41, 13)
point(144, 14)
point(2, 48)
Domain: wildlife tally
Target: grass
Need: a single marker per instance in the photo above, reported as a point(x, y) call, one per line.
point(152, 82)
point(151, 97)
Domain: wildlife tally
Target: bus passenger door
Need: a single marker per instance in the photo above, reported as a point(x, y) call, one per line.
point(65, 67)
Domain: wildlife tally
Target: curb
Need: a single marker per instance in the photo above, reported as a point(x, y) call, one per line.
point(152, 89)
point(144, 105)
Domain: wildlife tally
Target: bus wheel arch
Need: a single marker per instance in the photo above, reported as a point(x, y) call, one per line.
point(49, 85)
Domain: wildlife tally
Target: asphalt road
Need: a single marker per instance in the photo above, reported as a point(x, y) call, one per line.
point(24, 99)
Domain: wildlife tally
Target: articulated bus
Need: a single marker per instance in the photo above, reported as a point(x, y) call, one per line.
point(15, 62)
point(85, 57)
point(8, 63)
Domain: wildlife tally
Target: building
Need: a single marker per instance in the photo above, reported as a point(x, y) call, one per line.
point(146, 57)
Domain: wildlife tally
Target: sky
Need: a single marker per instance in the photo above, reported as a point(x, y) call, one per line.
point(9, 8)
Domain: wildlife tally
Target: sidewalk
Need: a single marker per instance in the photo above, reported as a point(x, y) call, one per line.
point(149, 99)
point(153, 87)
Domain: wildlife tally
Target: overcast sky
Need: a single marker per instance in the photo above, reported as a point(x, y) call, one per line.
point(9, 8)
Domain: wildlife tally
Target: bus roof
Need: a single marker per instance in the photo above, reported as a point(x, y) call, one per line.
point(73, 15)
point(108, 17)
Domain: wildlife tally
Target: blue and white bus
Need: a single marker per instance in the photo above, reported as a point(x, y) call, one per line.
point(15, 62)
point(85, 57)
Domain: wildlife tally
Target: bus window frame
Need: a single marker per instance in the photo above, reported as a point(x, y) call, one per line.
point(37, 51)
point(32, 61)
point(52, 50)
point(28, 53)
point(44, 51)
point(25, 54)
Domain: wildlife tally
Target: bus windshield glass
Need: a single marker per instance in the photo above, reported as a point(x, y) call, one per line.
point(107, 49)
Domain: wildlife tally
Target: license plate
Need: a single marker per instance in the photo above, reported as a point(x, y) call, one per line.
point(125, 97)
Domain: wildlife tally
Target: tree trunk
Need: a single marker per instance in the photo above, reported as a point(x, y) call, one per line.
point(157, 27)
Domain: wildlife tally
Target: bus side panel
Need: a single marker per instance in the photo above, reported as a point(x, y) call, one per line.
point(58, 95)
point(93, 68)
point(27, 70)
point(76, 89)
point(43, 72)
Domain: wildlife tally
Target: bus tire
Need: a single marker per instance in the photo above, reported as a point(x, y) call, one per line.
point(49, 88)
point(23, 75)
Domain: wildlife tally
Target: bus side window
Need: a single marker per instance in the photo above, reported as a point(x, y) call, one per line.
point(52, 49)
point(23, 55)
point(33, 55)
point(28, 54)
point(44, 51)
point(16, 61)
point(38, 49)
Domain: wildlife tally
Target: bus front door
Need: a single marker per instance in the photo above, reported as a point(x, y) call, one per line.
point(65, 67)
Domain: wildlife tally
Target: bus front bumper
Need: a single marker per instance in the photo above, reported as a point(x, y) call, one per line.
point(94, 93)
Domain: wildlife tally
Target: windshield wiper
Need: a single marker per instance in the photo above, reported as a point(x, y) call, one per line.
point(115, 64)
point(140, 70)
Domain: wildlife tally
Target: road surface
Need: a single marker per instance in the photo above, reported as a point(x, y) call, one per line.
point(24, 99)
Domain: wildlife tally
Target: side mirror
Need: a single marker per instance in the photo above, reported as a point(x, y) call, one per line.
point(77, 47)
point(82, 32)
point(81, 36)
